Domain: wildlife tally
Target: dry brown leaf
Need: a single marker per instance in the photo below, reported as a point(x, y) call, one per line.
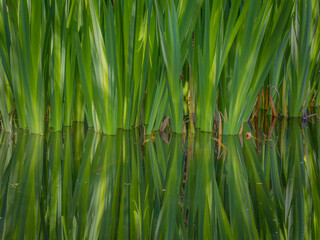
point(273, 108)
point(219, 142)
point(164, 124)
point(241, 129)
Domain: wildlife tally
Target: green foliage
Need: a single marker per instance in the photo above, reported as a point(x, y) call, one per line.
point(76, 186)
point(119, 64)
point(300, 57)
point(6, 103)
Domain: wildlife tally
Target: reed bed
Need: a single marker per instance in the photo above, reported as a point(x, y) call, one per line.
point(120, 64)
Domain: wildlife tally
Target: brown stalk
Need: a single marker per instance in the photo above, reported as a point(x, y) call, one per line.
point(256, 109)
point(273, 108)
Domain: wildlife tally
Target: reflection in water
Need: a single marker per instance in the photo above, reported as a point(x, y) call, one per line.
point(78, 185)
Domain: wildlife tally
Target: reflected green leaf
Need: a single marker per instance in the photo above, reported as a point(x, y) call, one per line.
point(77, 185)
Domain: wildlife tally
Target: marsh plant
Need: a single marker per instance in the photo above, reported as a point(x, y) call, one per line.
point(119, 64)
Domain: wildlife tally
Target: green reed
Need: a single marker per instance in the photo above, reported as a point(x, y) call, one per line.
point(119, 64)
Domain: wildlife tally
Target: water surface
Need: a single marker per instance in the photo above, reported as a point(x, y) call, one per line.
point(83, 185)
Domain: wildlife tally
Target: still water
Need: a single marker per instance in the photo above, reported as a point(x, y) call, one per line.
point(82, 185)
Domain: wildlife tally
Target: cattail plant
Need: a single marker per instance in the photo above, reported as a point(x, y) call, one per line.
point(6, 101)
point(218, 37)
point(247, 50)
point(298, 82)
point(23, 61)
point(121, 64)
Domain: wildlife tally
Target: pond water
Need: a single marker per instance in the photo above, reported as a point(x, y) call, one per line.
point(82, 185)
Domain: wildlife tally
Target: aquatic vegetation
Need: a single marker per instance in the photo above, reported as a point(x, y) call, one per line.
point(120, 64)
point(77, 185)
point(23, 50)
point(6, 103)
